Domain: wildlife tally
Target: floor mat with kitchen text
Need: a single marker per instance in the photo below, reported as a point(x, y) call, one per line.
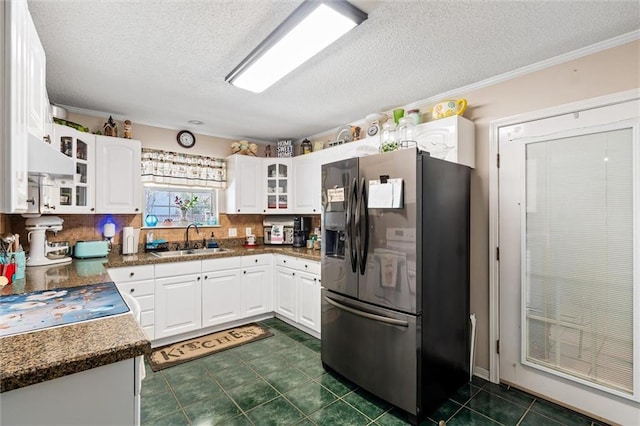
point(187, 350)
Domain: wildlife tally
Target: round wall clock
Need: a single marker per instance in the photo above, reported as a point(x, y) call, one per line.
point(186, 139)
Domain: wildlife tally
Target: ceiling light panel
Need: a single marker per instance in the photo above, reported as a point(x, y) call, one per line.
point(313, 26)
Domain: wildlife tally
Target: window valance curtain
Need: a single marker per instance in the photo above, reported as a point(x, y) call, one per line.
point(166, 167)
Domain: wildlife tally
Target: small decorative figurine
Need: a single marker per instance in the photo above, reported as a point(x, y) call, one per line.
point(267, 151)
point(127, 129)
point(244, 148)
point(355, 133)
point(110, 127)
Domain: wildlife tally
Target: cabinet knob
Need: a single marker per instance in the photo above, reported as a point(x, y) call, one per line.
point(284, 261)
point(131, 274)
point(238, 210)
point(293, 274)
point(92, 209)
point(306, 266)
point(264, 211)
point(256, 260)
point(314, 210)
point(137, 209)
point(198, 278)
point(245, 272)
point(206, 277)
point(32, 201)
point(132, 290)
point(315, 279)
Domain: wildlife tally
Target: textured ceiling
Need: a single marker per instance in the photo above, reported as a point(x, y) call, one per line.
point(164, 62)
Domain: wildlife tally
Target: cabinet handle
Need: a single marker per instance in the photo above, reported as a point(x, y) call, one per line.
point(132, 290)
point(92, 209)
point(131, 274)
point(32, 201)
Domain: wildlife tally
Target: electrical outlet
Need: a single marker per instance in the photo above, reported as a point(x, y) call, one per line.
point(247, 231)
point(233, 232)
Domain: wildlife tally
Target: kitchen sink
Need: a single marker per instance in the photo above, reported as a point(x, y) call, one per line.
point(190, 252)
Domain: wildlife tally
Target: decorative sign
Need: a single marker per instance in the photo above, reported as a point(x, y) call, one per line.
point(284, 148)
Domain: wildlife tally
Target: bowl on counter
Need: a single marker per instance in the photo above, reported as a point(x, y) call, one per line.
point(62, 251)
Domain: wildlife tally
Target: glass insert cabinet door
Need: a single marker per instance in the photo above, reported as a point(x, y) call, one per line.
point(578, 278)
point(76, 193)
point(278, 185)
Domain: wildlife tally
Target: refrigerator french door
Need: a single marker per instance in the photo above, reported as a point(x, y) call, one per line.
point(396, 276)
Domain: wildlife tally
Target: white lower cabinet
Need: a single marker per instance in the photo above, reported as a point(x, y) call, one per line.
point(308, 300)
point(181, 297)
point(221, 297)
point(286, 292)
point(178, 298)
point(256, 285)
point(138, 281)
point(298, 291)
point(106, 395)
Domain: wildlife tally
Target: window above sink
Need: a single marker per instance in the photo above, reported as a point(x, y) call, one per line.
point(161, 201)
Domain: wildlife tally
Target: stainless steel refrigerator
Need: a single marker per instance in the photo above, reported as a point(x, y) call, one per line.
point(395, 276)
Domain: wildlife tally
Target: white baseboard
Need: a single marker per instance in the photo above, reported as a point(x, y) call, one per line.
point(483, 373)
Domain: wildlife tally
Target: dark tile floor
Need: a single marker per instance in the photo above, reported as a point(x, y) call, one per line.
point(280, 381)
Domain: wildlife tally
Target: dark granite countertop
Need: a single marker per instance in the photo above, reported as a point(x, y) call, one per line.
point(30, 358)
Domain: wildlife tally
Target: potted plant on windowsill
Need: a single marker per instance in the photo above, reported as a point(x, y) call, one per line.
point(184, 206)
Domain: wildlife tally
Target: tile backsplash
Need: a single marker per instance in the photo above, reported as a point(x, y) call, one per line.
point(78, 227)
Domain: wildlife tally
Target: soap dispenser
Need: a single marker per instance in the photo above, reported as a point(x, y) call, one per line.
point(211, 243)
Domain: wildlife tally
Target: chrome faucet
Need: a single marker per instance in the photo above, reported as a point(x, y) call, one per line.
point(186, 235)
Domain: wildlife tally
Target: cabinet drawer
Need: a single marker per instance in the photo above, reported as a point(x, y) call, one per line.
point(137, 288)
point(287, 261)
point(309, 266)
point(221, 264)
point(175, 269)
point(147, 303)
point(256, 260)
point(131, 273)
point(147, 318)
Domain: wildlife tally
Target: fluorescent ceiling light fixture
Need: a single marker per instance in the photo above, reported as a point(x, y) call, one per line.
point(313, 26)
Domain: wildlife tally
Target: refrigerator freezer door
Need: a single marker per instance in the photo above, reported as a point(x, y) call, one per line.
point(339, 257)
point(388, 243)
point(373, 347)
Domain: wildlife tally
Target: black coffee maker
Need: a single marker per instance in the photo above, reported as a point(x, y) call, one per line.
point(301, 230)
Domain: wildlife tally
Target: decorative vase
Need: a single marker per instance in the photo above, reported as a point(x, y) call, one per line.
point(151, 220)
point(183, 216)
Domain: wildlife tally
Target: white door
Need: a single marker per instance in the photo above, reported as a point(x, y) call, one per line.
point(221, 297)
point(118, 184)
point(286, 299)
point(257, 290)
point(569, 195)
point(308, 300)
point(178, 305)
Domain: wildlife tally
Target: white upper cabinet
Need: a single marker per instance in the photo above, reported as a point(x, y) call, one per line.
point(76, 194)
point(307, 183)
point(244, 185)
point(14, 103)
point(118, 185)
point(277, 186)
point(37, 102)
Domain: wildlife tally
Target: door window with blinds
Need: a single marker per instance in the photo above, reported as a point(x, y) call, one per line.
point(578, 259)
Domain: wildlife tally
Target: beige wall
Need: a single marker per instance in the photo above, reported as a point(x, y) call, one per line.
point(165, 139)
point(603, 73)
